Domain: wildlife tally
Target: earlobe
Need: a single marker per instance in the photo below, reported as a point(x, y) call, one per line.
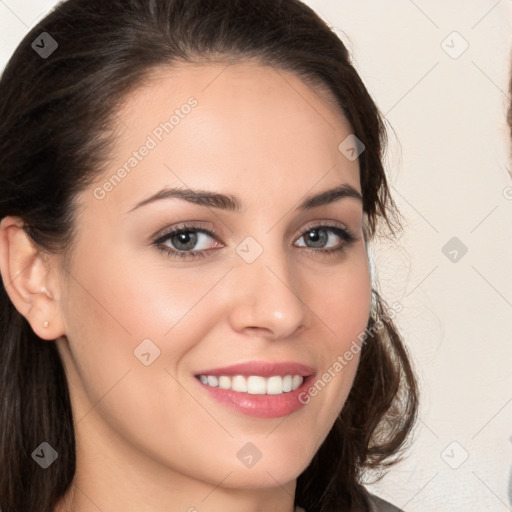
point(25, 275)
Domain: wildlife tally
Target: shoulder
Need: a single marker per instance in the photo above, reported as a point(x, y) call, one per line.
point(379, 505)
point(374, 503)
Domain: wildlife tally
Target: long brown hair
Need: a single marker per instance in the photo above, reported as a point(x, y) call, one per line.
point(55, 115)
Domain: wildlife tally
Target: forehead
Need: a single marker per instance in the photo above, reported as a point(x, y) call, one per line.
point(244, 126)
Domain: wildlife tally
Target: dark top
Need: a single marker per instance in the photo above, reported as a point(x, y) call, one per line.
point(376, 505)
point(379, 505)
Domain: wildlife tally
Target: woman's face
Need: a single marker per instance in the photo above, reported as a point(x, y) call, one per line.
point(269, 276)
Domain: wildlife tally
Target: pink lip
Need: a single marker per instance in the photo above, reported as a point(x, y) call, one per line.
point(261, 368)
point(260, 406)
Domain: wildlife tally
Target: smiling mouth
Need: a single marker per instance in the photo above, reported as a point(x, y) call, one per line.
point(254, 384)
point(261, 389)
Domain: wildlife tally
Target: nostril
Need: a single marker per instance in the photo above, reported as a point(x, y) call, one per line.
point(262, 332)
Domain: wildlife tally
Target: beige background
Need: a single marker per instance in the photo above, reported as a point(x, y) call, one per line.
point(449, 163)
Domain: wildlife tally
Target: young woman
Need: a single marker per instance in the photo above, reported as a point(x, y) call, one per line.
point(187, 192)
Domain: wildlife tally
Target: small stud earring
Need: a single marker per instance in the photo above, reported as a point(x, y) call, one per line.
point(46, 323)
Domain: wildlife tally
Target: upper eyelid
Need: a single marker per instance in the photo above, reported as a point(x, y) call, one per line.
point(165, 232)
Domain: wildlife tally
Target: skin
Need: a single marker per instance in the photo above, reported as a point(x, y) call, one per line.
point(148, 437)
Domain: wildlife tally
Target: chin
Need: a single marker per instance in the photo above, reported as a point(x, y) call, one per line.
point(277, 465)
point(263, 477)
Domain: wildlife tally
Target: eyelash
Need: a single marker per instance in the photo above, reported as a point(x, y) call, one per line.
point(347, 237)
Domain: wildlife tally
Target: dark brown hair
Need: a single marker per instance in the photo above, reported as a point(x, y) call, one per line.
point(56, 114)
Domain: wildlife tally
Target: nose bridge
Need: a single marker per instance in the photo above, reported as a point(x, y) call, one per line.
point(268, 290)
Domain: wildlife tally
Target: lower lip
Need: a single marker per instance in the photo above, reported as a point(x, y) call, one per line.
point(260, 406)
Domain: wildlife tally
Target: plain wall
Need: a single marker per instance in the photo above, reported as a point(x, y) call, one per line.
point(448, 163)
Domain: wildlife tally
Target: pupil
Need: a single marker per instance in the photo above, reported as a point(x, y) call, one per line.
point(318, 237)
point(185, 240)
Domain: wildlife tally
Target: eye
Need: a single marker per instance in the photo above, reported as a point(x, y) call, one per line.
point(185, 242)
point(191, 242)
point(325, 237)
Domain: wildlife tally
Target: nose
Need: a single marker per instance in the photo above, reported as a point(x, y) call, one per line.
point(265, 298)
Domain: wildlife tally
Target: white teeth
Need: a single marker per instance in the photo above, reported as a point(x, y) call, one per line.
point(238, 383)
point(224, 382)
point(287, 383)
point(213, 381)
point(274, 386)
point(255, 384)
point(296, 381)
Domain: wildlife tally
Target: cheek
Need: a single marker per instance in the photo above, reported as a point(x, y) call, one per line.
point(114, 306)
point(117, 311)
point(343, 302)
point(133, 300)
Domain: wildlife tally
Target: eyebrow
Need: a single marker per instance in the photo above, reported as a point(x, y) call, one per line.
point(231, 203)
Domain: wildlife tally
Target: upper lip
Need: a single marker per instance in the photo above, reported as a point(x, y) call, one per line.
point(262, 368)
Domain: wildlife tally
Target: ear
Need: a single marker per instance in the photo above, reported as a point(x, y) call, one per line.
point(26, 274)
